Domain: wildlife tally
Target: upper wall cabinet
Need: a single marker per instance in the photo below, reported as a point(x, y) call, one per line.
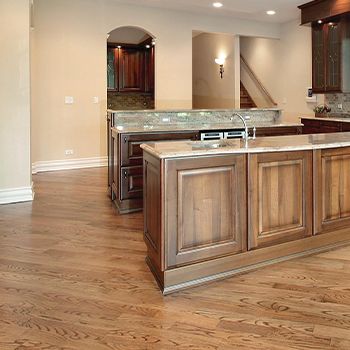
point(330, 20)
point(331, 56)
point(130, 69)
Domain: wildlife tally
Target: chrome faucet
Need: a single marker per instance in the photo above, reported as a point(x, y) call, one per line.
point(246, 130)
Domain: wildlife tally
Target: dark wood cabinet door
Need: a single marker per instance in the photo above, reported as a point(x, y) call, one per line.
point(149, 70)
point(112, 68)
point(131, 70)
point(333, 56)
point(131, 182)
point(131, 152)
point(318, 59)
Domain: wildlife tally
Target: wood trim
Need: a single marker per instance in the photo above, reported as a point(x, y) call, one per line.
point(323, 9)
point(212, 270)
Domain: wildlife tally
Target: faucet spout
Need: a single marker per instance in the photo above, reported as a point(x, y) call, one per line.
point(246, 131)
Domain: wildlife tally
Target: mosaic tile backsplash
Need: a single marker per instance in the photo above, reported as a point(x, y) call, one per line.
point(333, 100)
point(157, 117)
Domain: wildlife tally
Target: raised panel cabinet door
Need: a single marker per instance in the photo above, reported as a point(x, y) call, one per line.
point(318, 59)
point(332, 189)
point(279, 197)
point(131, 70)
point(206, 208)
point(131, 182)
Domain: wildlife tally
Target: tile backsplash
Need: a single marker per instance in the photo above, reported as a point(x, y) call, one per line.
point(129, 101)
point(334, 100)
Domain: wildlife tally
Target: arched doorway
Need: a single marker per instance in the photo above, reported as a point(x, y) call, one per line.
point(130, 69)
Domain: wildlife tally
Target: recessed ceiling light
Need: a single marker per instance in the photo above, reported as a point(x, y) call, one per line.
point(271, 12)
point(217, 4)
point(148, 46)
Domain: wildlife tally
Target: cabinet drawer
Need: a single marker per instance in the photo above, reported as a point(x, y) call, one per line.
point(131, 182)
point(329, 125)
point(130, 151)
point(278, 131)
point(311, 130)
point(345, 126)
point(310, 123)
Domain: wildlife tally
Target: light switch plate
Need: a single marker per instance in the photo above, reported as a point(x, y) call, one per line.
point(95, 99)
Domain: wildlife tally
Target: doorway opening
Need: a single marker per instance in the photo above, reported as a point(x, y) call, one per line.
point(130, 69)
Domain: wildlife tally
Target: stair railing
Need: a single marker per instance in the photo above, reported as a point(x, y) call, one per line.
point(258, 82)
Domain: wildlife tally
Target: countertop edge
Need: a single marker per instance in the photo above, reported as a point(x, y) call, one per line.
point(228, 150)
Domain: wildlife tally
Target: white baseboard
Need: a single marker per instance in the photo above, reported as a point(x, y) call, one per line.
point(69, 164)
point(16, 195)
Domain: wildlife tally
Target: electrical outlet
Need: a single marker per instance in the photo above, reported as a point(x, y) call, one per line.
point(340, 106)
point(69, 152)
point(95, 99)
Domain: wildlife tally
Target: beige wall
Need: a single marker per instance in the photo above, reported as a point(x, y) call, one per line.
point(284, 66)
point(69, 60)
point(209, 90)
point(14, 95)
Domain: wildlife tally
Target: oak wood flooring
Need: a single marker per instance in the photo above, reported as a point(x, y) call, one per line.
point(73, 276)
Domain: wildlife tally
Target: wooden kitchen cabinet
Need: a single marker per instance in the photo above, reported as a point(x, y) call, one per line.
point(206, 208)
point(278, 131)
point(332, 189)
point(130, 69)
point(280, 197)
point(316, 126)
point(127, 162)
point(330, 53)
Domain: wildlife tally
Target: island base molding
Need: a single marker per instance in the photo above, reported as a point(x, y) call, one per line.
point(184, 277)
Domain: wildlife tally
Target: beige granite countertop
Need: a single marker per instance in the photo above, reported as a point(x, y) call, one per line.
point(176, 149)
point(330, 119)
point(198, 126)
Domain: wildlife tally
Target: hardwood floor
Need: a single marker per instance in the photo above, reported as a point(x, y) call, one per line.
point(73, 276)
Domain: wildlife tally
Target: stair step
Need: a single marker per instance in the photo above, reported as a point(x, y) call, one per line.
point(246, 100)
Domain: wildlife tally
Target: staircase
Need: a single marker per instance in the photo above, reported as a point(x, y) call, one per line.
point(246, 100)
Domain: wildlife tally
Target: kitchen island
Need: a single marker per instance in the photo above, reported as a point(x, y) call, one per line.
point(217, 208)
point(127, 130)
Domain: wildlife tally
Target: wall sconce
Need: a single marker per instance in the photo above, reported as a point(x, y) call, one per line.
point(220, 62)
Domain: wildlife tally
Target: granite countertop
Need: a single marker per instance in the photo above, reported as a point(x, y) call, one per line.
point(176, 149)
point(199, 126)
point(331, 119)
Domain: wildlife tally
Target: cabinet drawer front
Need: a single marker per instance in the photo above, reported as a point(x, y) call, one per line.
point(206, 206)
point(311, 123)
point(280, 197)
point(330, 125)
point(130, 151)
point(131, 182)
point(278, 131)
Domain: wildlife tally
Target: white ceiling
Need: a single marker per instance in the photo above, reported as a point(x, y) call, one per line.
point(286, 10)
